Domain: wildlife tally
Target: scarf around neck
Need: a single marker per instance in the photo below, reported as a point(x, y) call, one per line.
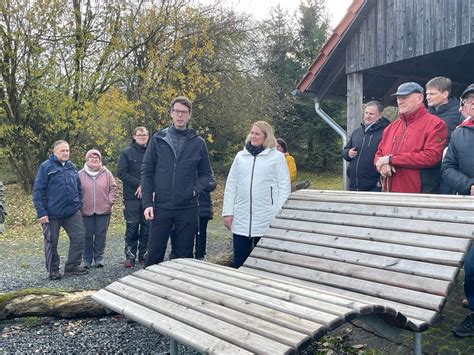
point(254, 150)
point(91, 170)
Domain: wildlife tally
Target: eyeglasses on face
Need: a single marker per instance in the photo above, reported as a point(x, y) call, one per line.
point(141, 135)
point(180, 112)
point(94, 157)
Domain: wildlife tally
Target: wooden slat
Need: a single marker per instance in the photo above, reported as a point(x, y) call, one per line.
point(383, 211)
point(316, 316)
point(222, 330)
point(323, 296)
point(251, 323)
point(215, 275)
point(462, 230)
point(415, 298)
point(392, 237)
point(235, 302)
point(381, 248)
point(421, 317)
point(461, 203)
point(195, 338)
point(390, 278)
point(419, 268)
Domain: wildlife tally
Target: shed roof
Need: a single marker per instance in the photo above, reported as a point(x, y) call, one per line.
point(394, 41)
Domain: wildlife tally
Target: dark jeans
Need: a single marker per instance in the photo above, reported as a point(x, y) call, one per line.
point(96, 227)
point(243, 246)
point(137, 229)
point(200, 240)
point(75, 231)
point(185, 222)
point(469, 277)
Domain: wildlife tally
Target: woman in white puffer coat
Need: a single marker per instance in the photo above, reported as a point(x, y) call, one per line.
point(257, 186)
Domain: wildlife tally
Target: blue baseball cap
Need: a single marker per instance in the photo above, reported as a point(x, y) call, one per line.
point(408, 88)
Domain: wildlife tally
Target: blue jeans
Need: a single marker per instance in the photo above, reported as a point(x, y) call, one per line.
point(469, 277)
point(243, 246)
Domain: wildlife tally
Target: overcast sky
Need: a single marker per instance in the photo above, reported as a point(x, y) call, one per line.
point(261, 8)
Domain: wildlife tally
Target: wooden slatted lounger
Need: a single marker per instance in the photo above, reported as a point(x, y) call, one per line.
point(329, 257)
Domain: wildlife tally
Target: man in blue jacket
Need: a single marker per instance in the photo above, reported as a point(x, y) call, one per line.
point(57, 199)
point(175, 170)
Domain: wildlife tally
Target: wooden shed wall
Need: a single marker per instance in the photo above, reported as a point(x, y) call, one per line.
point(395, 30)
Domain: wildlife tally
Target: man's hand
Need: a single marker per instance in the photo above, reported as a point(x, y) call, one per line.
point(387, 170)
point(353, 153)
point(472, 190)
point(228, 221)
point(138, 193)
point(148, 213)
point(43, 219)
point(385, 160)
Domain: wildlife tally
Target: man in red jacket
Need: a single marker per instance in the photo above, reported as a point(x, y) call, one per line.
point(410, 152)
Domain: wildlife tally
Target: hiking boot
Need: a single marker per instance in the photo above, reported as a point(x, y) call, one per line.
point(129, 264)
point(55, 275)
point(78, 270)
point(86, 265)
point(141, 261)
point(99, 264)
point(466, 328)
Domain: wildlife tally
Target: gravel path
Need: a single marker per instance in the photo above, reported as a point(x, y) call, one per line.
point(23, 267)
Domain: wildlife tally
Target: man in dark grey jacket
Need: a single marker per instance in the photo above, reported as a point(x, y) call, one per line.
point(175, 170)
point(361, 149)
point(129, 170)
point(458, 173)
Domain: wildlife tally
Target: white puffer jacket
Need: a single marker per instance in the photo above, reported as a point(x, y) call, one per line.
point(255, 190)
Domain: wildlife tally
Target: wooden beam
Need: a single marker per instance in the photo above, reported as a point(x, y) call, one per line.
point(355, 94)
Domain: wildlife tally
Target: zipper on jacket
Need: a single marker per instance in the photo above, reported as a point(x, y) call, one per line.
point(94, 193)
point(357, 164)
point(271, 194)
point(251, 184)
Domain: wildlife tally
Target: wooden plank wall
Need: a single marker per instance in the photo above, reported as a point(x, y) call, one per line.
point(395, 30)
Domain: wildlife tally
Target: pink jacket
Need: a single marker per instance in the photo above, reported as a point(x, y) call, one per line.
point(98, 192)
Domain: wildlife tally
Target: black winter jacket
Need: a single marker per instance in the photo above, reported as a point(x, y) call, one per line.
point(457, 169)
point(450, 114)
point(129, 169)
point(173, 179)
point(361, 170)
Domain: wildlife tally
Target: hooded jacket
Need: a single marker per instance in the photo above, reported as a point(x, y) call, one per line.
point(57, 189)
point(255, 190)
point(98, 192)
point(175, 180)
point(449, 113)
point(361, 170)
point(128, 169)
point(416, 142)
point(458, 163)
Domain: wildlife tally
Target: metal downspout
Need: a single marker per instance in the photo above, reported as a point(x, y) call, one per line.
point(339, 130)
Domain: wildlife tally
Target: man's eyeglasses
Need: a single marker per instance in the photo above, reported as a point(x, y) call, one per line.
point(180, 112)
point(462, 103)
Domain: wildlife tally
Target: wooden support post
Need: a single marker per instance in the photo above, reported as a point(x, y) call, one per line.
point(173, 347)
point(355, 94)
point(418, 346)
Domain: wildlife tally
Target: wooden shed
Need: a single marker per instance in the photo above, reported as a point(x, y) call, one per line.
point(380, 44)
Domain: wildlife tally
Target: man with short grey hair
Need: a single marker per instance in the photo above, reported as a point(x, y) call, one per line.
point(409, 155)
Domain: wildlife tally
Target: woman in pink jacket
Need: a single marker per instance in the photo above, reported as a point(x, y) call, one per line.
point(98, 196)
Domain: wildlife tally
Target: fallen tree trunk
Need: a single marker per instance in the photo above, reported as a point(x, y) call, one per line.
point(49, 303)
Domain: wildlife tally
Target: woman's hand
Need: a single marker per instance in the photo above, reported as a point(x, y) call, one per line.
point(228, 221)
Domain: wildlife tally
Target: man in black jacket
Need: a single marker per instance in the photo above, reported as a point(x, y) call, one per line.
point(128, 170)
point(361, 149)
point(457, 171)
point(442, 104)
point(175, 170)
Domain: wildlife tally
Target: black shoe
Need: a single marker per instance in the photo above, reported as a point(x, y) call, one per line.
point(55, 275)
point(78, 270)
point(466, 328)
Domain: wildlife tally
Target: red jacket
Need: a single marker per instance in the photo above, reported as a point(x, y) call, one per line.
point(416, 142)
